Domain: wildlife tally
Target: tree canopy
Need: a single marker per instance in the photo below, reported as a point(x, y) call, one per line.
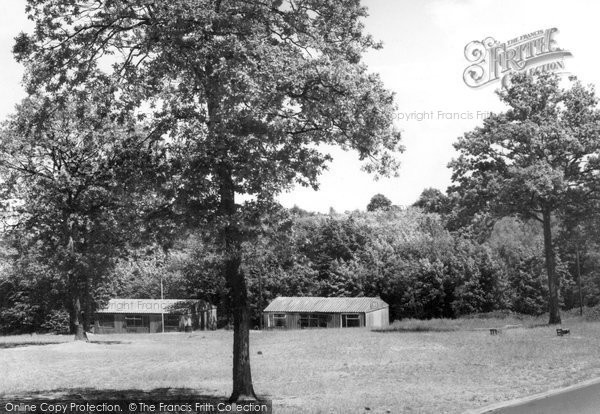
point(433, 200)
point(535, 160)
point(379, 202)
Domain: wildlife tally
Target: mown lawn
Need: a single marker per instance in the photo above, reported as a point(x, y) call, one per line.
point(316, 371)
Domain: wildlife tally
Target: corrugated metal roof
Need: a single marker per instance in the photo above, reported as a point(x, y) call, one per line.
point(321, 304)
point(149, 305)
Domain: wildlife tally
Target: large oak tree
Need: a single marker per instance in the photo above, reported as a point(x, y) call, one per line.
point(250, 91)
point(537, 160)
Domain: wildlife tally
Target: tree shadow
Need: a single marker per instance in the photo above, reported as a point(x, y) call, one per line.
point(166, 395)
point(110, 342)
point(6, 345)
point(114, 394)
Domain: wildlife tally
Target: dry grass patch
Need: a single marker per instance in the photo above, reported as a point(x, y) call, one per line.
point(475, 322)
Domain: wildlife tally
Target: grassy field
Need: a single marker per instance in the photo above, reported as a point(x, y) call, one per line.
point(316, 371)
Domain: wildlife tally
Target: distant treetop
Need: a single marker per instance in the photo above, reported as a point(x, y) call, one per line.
point(379, 202)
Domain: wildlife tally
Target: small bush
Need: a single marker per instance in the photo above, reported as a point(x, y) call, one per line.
point(57, 322)
point(18, 318)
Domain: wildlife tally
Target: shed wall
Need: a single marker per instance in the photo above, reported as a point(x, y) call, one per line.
point(378, 318)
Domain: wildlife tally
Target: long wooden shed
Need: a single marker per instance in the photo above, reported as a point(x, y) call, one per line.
point(147, 315)
point(322, 312)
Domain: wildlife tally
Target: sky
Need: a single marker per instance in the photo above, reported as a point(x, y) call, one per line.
point(422, 62)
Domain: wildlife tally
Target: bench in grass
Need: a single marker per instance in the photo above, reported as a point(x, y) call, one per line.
point(561, 331)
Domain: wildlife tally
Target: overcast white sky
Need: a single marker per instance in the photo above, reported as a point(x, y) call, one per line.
point(423, 63)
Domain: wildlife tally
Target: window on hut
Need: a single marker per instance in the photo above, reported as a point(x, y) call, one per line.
point(308, 320)
point(132, 321)
point(350, 320)
point(279, 320)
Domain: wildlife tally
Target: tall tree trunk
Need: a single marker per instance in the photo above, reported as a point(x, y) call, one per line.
point(78, 320)
point(553, 283)
point(87, 308)
point(579, 282)
point(242, 376)
point(231, 239)
point(77, 313)
point(75, 285)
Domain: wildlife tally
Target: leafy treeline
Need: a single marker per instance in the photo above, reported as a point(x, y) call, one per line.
point(406, 256)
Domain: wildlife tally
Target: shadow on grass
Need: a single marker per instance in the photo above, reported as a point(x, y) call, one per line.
point(8, 345)
point(112, 394)
point(170, 395)
point(5, 345)
point(425, 328)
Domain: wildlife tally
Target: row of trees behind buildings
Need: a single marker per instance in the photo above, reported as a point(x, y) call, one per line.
point(408, 257)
